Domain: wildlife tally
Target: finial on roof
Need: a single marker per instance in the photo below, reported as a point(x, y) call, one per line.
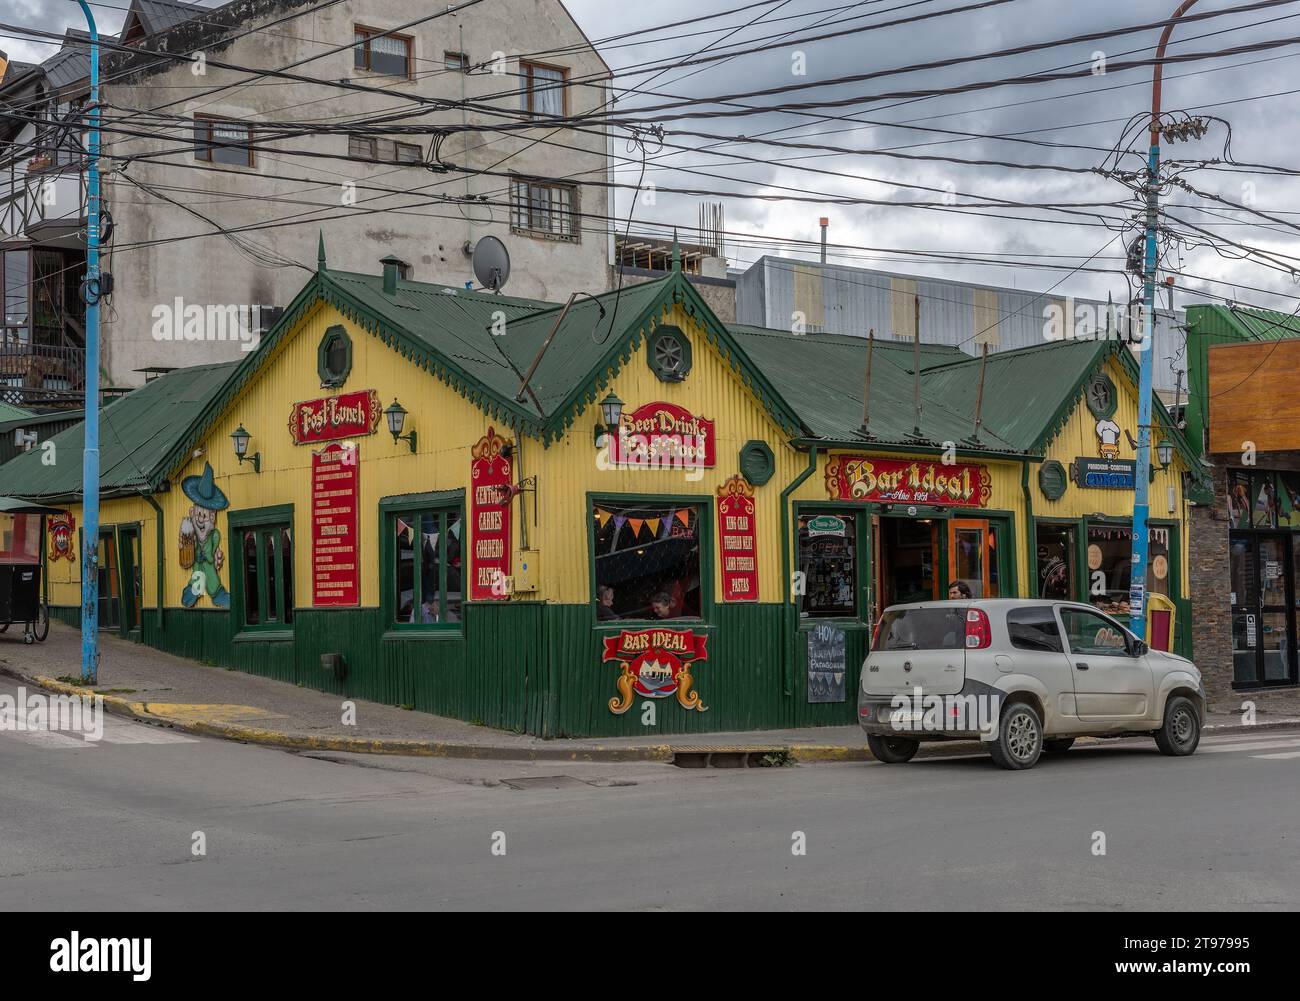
point(320, 252)
point(677, 252)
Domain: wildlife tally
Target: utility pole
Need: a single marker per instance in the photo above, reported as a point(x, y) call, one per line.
point(90, 459)
point(1142, 474)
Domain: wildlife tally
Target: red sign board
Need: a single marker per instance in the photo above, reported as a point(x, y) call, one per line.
point(335, 573)
point(335, 417)
point(60, 527)
point(664, 435)
point(490, 478)
point(736, 536)
point(655, 663)
point(907, 481)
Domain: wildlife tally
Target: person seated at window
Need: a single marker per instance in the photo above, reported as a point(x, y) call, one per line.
point(605, 603)
point(661, 606)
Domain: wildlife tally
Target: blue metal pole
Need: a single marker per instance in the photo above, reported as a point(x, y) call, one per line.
point(90, 458)
point(1142, 474)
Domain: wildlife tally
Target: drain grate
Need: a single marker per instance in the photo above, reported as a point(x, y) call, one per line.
point(544, 782)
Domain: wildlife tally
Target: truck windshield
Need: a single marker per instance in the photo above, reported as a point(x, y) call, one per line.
point(922, 629)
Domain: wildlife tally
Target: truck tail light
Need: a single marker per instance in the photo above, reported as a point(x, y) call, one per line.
point(979, 634)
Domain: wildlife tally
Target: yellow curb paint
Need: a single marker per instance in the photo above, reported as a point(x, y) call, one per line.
point(197, 712)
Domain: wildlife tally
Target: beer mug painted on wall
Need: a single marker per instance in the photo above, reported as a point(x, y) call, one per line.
point(187, 543)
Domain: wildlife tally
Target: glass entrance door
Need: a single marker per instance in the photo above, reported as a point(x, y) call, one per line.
point(971, 557)
point(1263, 608)
point(110, 596)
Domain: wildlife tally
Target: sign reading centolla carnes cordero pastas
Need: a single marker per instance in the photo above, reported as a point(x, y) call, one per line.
point(335, 573)
point(655, 663)
point(346, 416)
point(490, 476)
point(737, 540)
point(908, 481)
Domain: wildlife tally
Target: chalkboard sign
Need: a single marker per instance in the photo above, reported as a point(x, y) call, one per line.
point(826, 653)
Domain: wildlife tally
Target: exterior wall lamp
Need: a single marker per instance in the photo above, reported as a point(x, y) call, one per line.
point(611, 410)
point(396, 415)
point(1165, 452)
point(240, 437)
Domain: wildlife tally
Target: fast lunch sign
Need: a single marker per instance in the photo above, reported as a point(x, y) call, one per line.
point(655, 664)
point(335, 417)
point(908, 481)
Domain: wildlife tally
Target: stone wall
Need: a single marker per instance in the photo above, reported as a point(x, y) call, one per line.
point(1209, 583)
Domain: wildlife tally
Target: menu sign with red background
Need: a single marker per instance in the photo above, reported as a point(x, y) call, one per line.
point(490, 478)
point(666, 435)
point(335, 417)
point(907, 481)
point(736, 536)
point(335, 574)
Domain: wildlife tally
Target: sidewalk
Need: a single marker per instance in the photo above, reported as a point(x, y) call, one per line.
point(155, 687)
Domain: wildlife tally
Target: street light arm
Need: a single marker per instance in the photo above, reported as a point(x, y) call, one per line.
point(1157, 76)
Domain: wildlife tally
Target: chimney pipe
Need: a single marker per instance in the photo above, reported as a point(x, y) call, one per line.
point(391, 264)
point(824, 223)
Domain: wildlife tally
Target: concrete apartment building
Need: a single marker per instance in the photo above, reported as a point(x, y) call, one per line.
point(220, 206)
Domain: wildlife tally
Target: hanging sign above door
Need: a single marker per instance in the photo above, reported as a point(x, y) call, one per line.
point(907, 481)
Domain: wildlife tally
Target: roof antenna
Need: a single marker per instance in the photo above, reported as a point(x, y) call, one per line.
point(979, 394)
point(865, 430)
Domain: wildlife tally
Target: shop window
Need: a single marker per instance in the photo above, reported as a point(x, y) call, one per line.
point(827, 559)
point(1055, 548)
point(541, 90)
point(266, 576)
point(377, 52)
point(1110, 565)
point(424, 569)
point(647, 558)
point(1263, 499)
point(219, 141)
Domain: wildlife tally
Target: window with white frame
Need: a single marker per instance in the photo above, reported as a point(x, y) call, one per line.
point(544, 207)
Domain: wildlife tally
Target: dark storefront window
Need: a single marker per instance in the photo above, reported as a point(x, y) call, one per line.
point(828, 565)
point(1110, 565)
point(266, 578)
point(1263, 566)
point(1056, 548)
point(647, 559)
point(425, 581)
point(1263, 499)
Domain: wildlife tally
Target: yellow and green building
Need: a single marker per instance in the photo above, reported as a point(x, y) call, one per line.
point(548, 517)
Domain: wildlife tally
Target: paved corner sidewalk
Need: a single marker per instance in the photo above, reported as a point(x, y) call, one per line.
point(156, 687)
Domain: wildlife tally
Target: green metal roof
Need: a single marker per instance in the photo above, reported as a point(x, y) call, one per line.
point(8, 412)
point(136, 434)
point(823, 376)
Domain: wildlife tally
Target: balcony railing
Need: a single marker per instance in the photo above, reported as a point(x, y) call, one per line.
point(47, 375)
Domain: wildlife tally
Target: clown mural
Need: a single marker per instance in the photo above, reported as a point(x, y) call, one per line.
point(200, 541)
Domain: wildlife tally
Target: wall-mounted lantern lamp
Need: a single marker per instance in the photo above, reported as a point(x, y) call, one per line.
point(611, 410)
point(1165, 452)
point(396, 415)
point(240, 437)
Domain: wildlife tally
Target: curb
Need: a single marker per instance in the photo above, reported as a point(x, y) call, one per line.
point(409, 747)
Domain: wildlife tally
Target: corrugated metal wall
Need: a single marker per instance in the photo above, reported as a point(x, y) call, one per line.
point(847, 300)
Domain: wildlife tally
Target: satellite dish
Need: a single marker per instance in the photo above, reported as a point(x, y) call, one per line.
point(491, 263)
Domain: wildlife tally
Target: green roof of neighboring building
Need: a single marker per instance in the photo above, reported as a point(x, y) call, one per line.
point(137, 432)
point(8, 412)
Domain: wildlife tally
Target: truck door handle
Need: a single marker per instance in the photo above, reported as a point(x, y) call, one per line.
point(1081, 665)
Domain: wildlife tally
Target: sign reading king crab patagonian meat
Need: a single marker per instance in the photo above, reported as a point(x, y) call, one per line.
point(908, 481)
point(664, 435)
point(656, 663)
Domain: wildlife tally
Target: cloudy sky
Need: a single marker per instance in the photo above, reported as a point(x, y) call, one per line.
point(1072, 123)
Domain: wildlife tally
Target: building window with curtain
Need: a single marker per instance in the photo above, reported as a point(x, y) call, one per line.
point(542, 89)
point(219, 141)
point(386, 54)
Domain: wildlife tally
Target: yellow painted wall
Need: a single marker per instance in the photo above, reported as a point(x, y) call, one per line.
point(1079, 438)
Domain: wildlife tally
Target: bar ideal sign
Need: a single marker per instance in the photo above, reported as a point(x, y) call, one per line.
point(908, 481)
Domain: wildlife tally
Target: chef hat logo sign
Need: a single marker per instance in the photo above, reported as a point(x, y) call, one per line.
point(1108, 439)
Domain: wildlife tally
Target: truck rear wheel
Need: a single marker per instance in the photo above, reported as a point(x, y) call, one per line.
point(892, 750)
point(1019, 743)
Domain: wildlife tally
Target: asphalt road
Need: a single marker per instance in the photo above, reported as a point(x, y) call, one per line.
point(110, 825)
